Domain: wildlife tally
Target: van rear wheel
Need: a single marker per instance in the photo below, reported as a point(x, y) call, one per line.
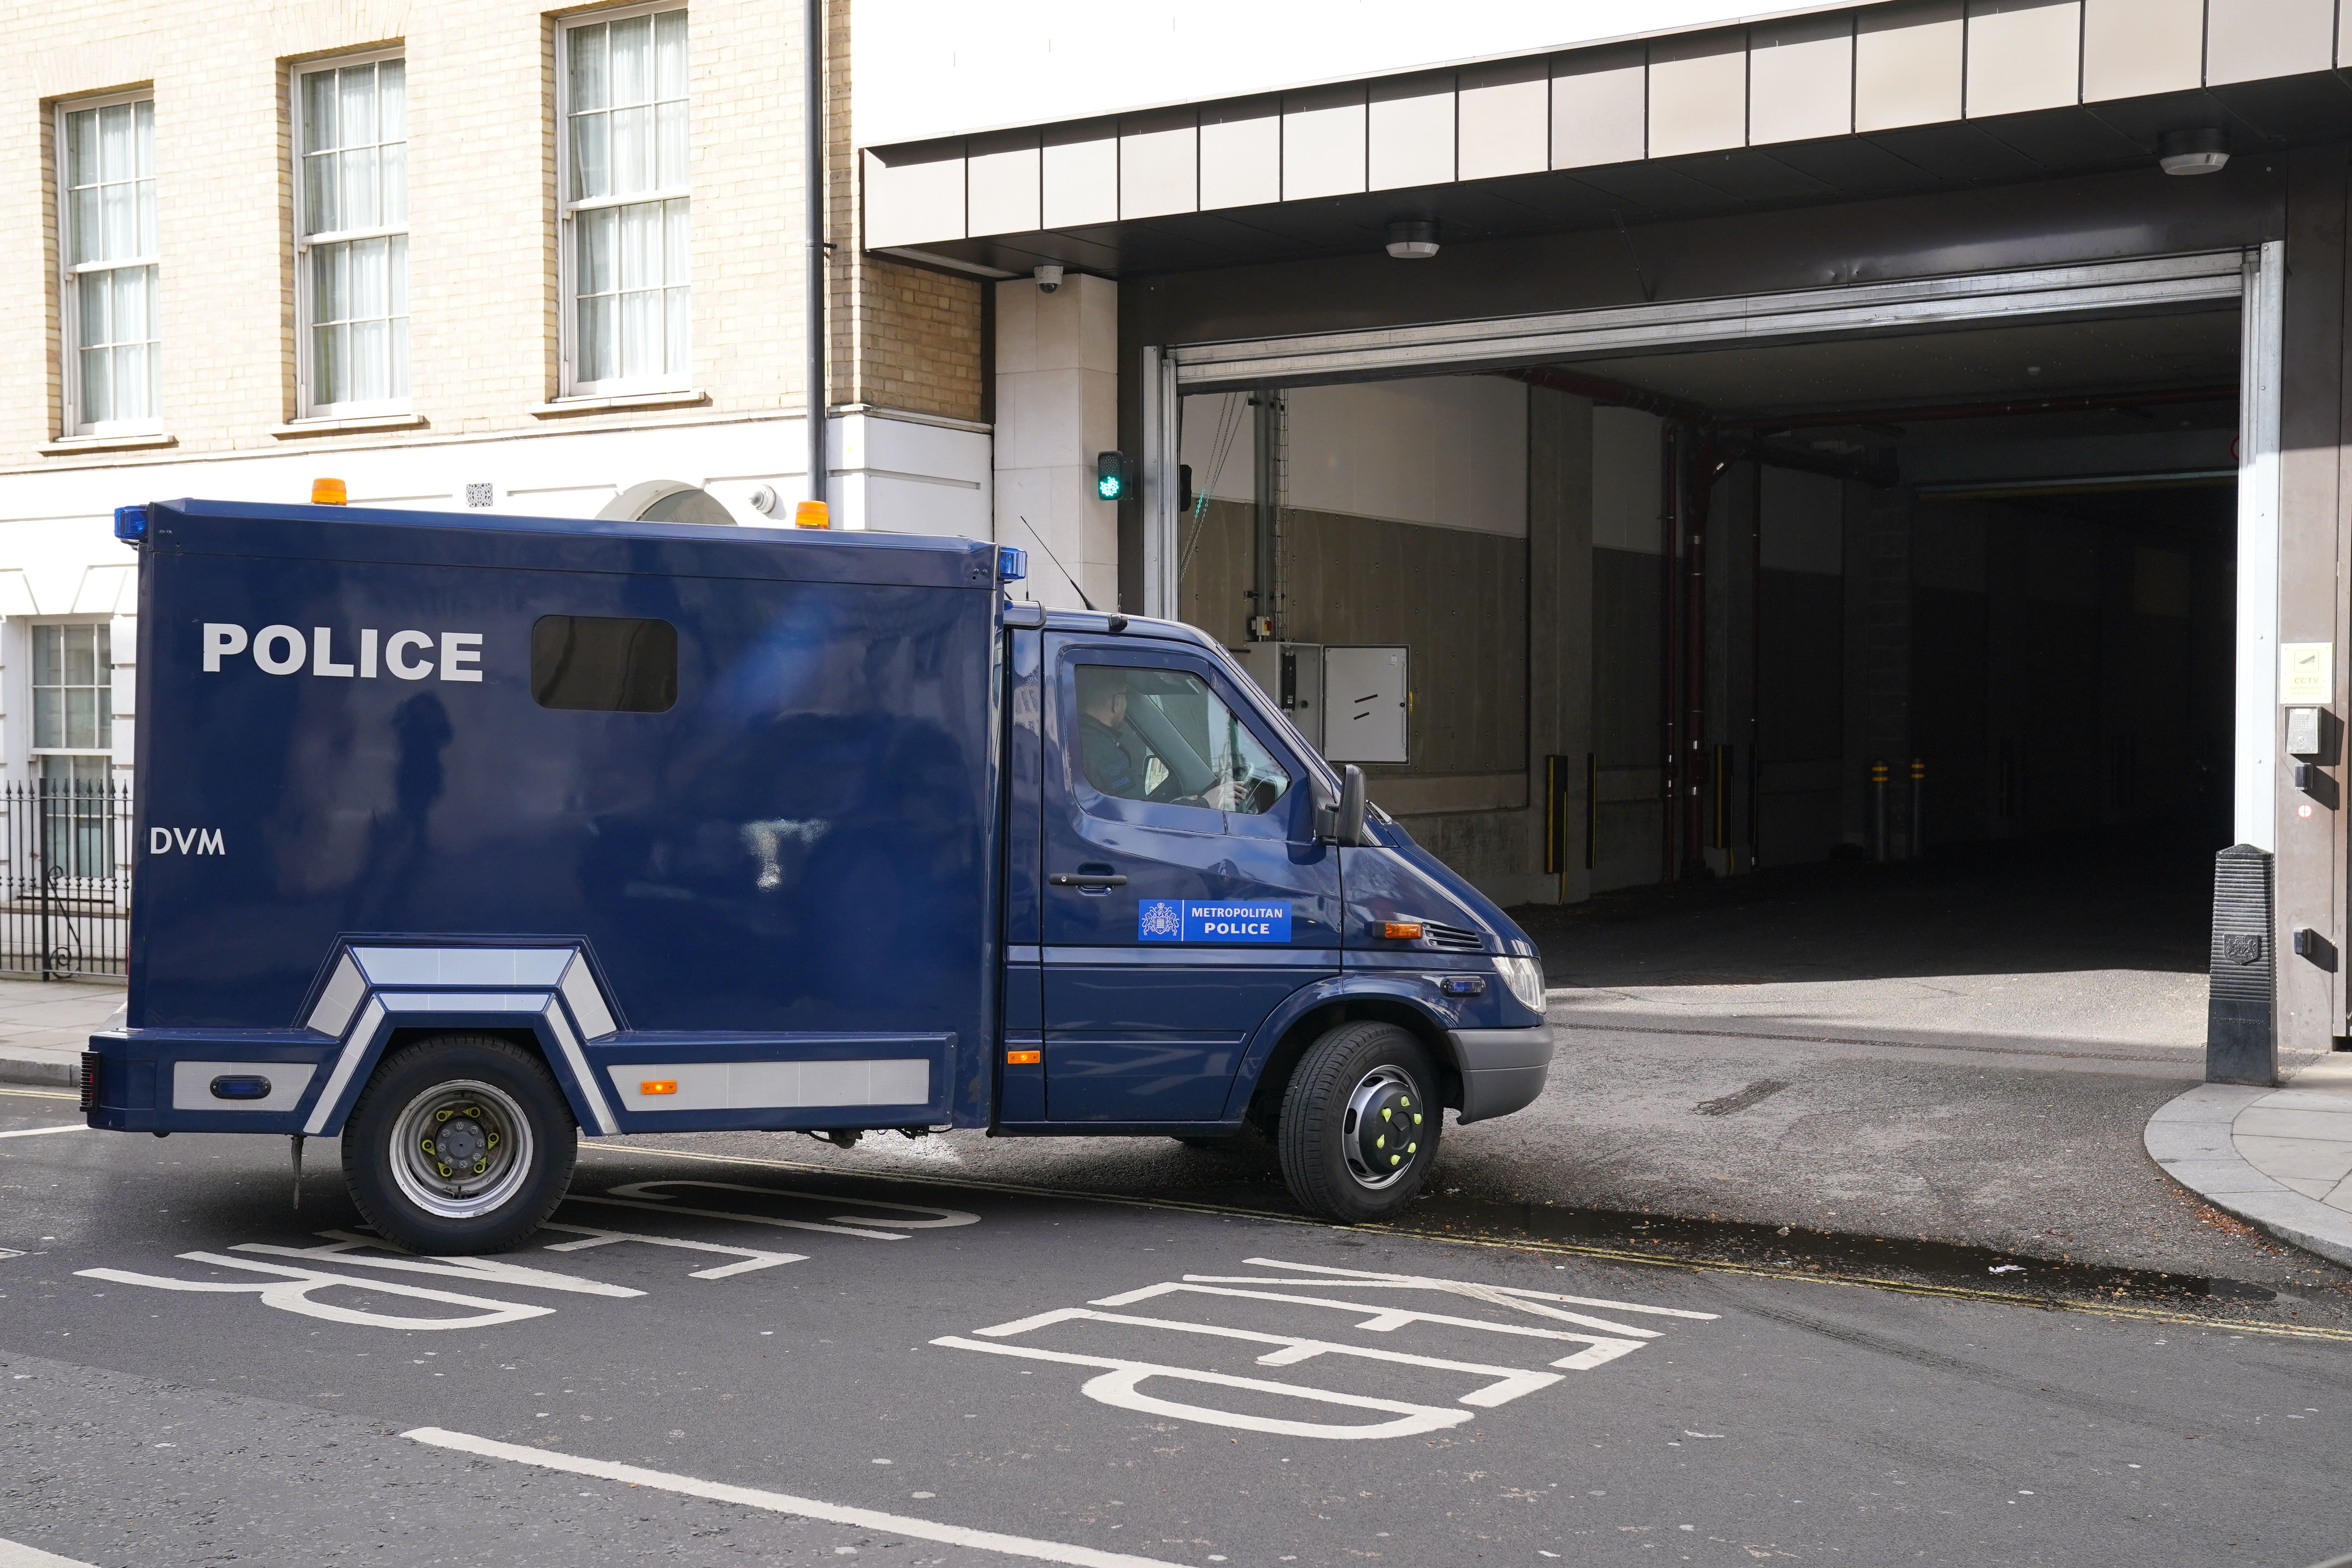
point(460, 1143)
point(1360, 1123)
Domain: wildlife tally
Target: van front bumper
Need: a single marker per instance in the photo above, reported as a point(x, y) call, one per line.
point(1503, 1070)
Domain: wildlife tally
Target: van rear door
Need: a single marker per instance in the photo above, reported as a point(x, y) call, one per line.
point(1185, 894)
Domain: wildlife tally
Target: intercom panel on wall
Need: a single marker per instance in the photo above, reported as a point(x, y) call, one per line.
point(1366, 704)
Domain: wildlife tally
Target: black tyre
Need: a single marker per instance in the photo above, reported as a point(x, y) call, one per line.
point(460, 1143)
point(1360, 1123)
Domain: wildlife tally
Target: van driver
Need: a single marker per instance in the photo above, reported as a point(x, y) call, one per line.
point(1111, 767)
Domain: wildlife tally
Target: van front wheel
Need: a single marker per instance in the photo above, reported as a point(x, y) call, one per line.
point(1360, 1123)
point(460, 1143)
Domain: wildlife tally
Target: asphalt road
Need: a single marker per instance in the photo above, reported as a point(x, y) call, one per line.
point(772, 1360)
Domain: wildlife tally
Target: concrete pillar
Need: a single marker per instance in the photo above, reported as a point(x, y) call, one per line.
point(1056, 407)
point(2316, 434)
point(1560, 630)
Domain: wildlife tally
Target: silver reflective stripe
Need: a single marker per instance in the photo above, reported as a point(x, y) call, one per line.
point(773, 1086)
point(347, 1062)
point(462, 965)
point(587, 998)
point(341, 997)
point(573, 1057)
point(465, 1001)
point(192, 1084)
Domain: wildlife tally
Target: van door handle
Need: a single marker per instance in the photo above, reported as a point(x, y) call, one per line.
point(1085, 879)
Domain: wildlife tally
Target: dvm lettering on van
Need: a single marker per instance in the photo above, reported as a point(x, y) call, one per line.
point(283, 650)
point(703, 828)
point(185, 841)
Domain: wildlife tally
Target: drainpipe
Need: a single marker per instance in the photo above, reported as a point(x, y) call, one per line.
point(813, 140)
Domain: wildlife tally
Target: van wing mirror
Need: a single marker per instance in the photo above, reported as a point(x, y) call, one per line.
point(1341, 821)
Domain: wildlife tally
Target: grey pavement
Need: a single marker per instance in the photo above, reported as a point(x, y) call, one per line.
point(2279, 1157)
point(45, 1026)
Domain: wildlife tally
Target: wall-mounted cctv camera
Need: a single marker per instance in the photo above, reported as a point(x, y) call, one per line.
point(1049, 278)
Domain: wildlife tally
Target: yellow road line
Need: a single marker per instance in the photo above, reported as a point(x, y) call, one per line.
point(43, 1093)
point(1552, 1249)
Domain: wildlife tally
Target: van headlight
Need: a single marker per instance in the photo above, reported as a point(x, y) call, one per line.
point(1525, 977)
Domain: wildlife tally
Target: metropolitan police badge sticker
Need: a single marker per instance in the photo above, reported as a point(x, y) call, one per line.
point(1160, 920)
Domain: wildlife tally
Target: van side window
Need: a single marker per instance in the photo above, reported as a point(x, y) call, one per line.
point(1162, 735)
point(604, 664)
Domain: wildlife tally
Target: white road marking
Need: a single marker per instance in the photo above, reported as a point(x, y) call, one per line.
point(1515, 1381)
point(35, 1132)
point(13, 1554)
point(291, 1293)
point(752, 1257)
point(1386, 1319)
point(1119, 1383)
point(948, 1218)
point(483, 1270)
point(740, 1219)
point(1511, 1296)
point(1117, 1386)
point(780, 1502)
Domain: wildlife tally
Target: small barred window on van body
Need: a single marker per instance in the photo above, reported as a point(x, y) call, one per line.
point(604, 664)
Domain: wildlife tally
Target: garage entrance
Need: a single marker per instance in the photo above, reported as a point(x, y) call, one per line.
point(1691, 591)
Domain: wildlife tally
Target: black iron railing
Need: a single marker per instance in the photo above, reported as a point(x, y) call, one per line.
point(64, 889)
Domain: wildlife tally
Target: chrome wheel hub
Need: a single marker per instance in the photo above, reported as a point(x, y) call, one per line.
point(1382, 1131)
point(461, 1150)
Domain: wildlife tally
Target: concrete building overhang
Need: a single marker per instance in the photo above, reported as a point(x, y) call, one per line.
point(1885, 102)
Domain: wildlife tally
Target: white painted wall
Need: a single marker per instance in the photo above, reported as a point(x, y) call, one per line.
point(1056, 407)
point(1440, 451)
point(943, 67)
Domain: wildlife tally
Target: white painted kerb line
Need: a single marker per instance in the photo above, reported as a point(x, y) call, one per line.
point(780, 1502)
point(13, 1555)
point(35, 1132)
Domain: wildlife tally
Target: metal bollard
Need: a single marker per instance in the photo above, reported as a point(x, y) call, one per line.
point(1878, 811)
point(1919, 806)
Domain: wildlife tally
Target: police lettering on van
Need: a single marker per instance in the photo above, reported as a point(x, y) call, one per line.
point(283, 650)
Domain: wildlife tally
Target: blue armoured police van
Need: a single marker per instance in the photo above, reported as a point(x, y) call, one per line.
point(460, 836)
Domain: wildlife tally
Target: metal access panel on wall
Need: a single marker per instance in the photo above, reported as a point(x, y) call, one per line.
point(1292, 674)
point(1366, 704)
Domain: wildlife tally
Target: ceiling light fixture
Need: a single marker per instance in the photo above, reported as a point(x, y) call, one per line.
point(2198, 151)
point(1412, 239)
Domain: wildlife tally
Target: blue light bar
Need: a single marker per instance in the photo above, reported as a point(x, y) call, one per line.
point(130, 524)
point(1012, 563)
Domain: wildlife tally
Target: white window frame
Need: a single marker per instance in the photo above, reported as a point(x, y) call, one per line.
point(567, 237)
point(305, 353)
point(69, 421)
point(34, 627)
